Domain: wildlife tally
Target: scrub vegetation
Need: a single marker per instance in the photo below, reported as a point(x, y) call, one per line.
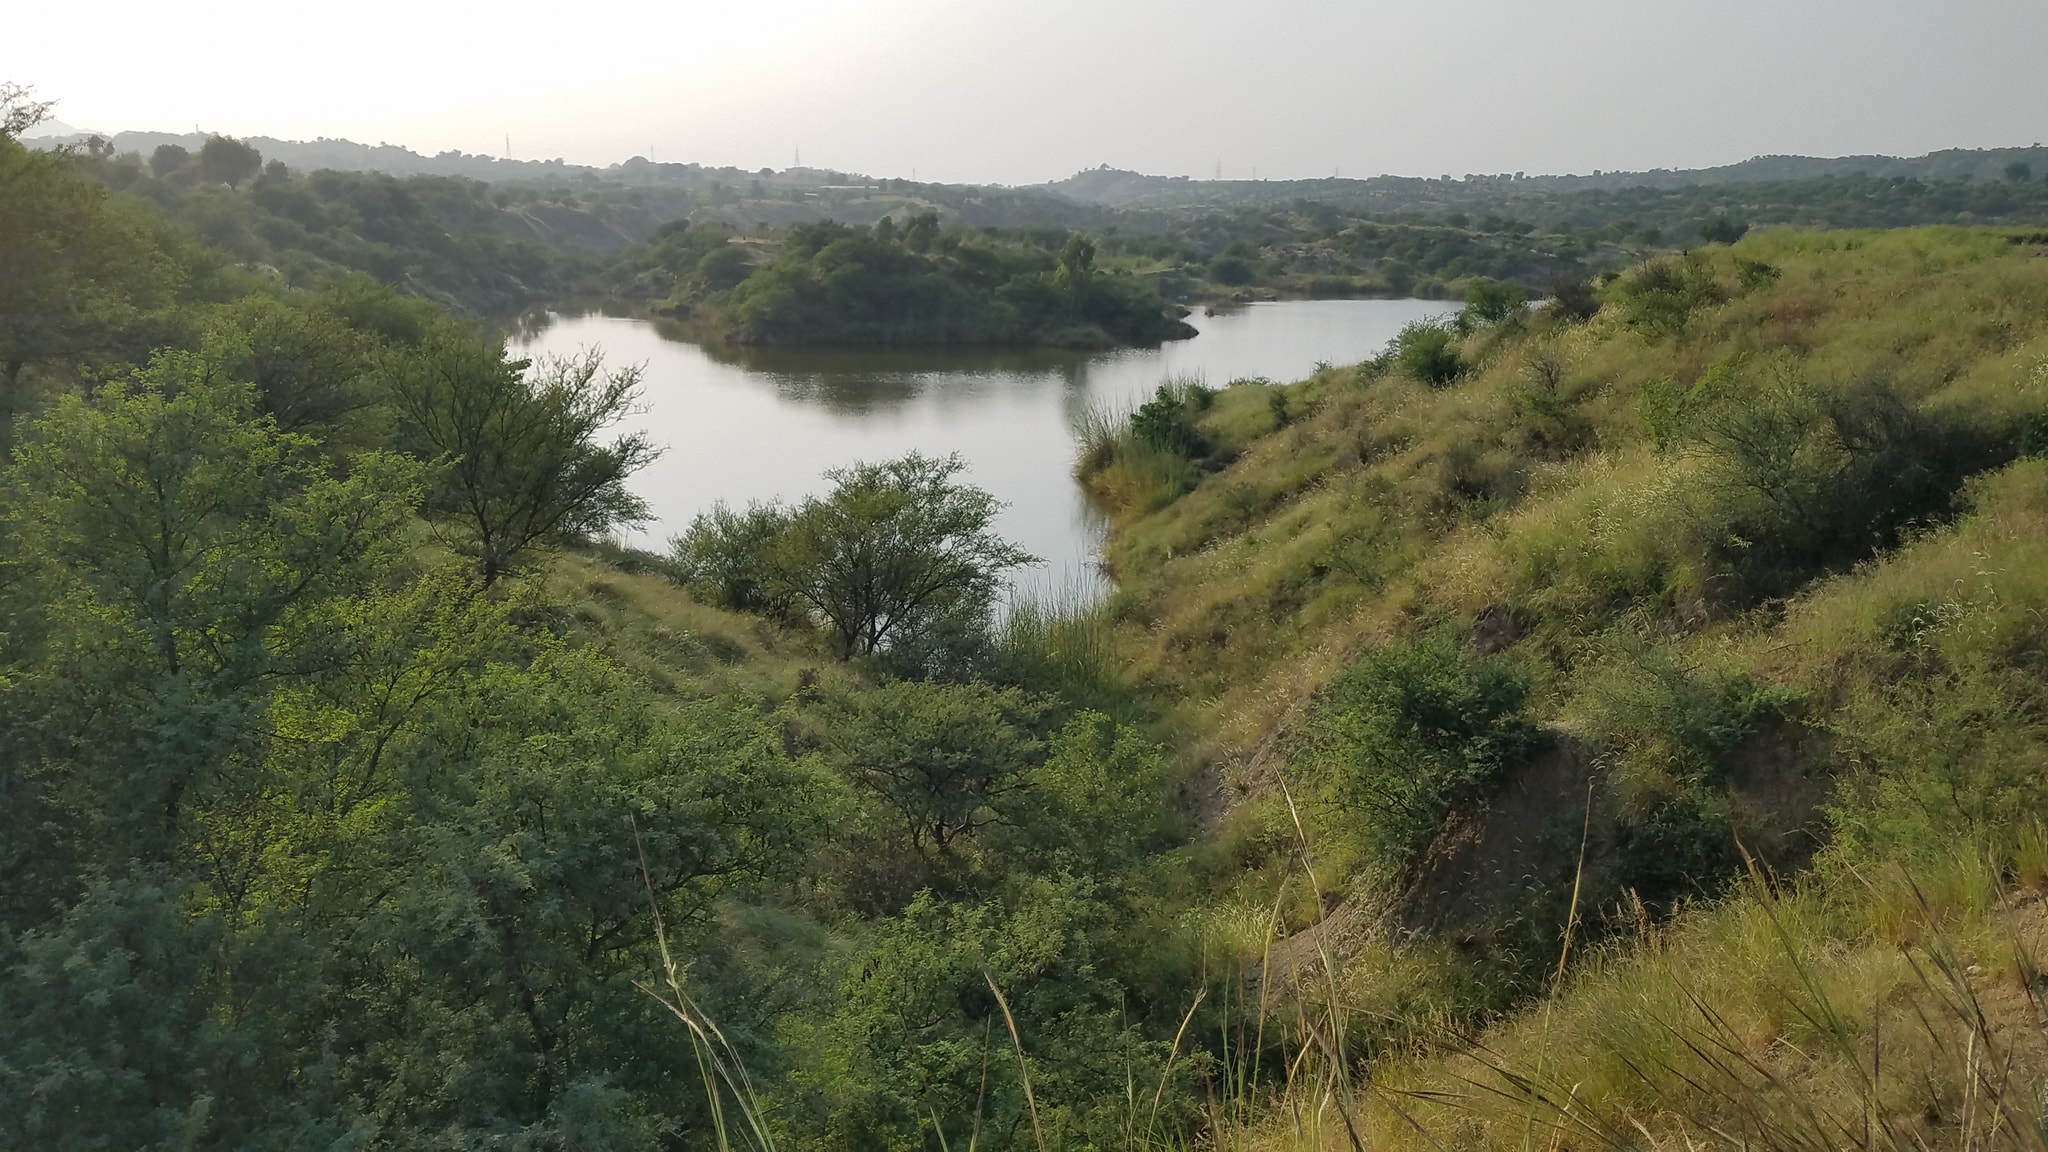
point(1609, 719)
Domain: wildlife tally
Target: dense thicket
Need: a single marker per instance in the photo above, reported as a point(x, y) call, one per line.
point(830, 284)
point(326, 817)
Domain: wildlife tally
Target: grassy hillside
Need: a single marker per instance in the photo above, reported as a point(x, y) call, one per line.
point(1702, 638)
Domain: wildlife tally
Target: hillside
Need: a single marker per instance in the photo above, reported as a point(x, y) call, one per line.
point(1685, 661)
point(1617, 722)
point(1118, 188)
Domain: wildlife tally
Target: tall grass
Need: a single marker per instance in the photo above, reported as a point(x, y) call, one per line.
point(1062, 640)
point(1127, 470)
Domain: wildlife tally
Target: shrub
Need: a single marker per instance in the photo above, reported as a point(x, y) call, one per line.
point(1493, 302)
point(1428, 352)
point(1572, 297)
point(1661, 297)
point(729, 557)
point(1720, 229)
point(1163, 423)
point(1231, 270)
point(1410, 733)
point(896, 549)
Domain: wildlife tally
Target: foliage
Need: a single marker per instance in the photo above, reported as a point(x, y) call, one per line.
point(897, 549)
point(1427, 352)
point(944, 760)
point(1408, 735)
point(730, 557)
point(82, 273)
point(1493, 302)
point(1662, 296)
point(228, 161)
point(517, 444)
point(831, 284)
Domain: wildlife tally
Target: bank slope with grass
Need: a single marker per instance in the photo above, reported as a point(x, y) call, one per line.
point(1632, 722)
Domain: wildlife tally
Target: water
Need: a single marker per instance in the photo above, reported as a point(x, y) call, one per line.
point(757, 424)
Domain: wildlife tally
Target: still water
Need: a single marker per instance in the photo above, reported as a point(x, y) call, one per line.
point(755, 424)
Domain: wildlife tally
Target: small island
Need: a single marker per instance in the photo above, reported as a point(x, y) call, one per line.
point(919, 285)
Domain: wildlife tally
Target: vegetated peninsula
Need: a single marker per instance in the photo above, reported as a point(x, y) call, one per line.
point(826, 283)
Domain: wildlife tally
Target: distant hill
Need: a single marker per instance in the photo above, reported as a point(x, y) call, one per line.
point(1115, 188)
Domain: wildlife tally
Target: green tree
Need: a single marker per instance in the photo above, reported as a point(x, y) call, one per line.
point(729, 557)
point(1427, 352)
point(1493, 301)
point(518, 444)
point(942, 759)
point(177, 545)
point(896, 547)
point(723, 267)
point(2019, 172)
point(311, 369)
point(169, 160)
point(1722, 229)
point(19, 110)
point(80, 270)
point(1076, 271)
point(228, 161)
point(921, 231)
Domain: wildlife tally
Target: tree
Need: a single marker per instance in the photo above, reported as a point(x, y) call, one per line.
point(1076, 269)
point(724, 267)
point(78, 269)
point(19, 112)
point(168, 160)
point(224, 160)
point(942, 758)
point(171, 540)
point(920, 231)
point(2019, 172)
point(896, 547)
point(518, 444)
point(310, 368)
point(1721, 229)
point(1494, 301)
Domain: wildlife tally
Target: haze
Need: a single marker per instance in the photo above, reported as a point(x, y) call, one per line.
point(1020, 91)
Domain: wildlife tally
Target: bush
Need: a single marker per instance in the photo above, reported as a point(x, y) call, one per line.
point(728, 557)
point(1428, 352)
point(1719, 229)
point(1572, 297)
point(1409, 734)
point(1493, 302)
point(1162, 422)
point(1231, 270)
point(1662, 297)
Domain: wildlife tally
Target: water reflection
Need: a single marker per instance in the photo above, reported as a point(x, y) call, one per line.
point(754, 424)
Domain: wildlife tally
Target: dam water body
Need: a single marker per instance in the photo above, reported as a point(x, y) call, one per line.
point(763, 424)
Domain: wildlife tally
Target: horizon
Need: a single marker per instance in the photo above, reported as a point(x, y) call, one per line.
point(56, 129)
point(998, 92)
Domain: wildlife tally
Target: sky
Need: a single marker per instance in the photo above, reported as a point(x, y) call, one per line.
point(1023, 91)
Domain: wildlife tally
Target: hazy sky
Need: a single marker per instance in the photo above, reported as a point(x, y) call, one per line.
point(1020, 91)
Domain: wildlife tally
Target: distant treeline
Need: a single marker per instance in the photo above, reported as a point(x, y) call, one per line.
point(545, 232)
point(920, 284)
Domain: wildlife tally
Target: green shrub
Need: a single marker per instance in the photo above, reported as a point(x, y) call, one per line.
point(1428, 352)
point(1662, 297)
point(728, 557)
point(1163, 423)
point(1231, 270)
point(1493, 302)
point(1409, 734)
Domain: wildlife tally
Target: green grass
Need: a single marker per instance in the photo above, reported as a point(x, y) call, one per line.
point(1726, 671)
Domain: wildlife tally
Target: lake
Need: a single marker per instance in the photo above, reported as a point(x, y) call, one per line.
point(758, 424)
